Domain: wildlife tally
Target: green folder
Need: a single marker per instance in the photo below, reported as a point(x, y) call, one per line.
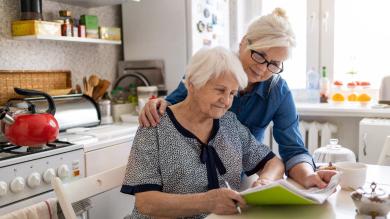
point(277, 195)
point(283, 192)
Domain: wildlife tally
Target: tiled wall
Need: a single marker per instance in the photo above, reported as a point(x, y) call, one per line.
point(81, 58)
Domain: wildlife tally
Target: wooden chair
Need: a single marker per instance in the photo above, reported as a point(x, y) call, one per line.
point(68, 193)
point(384, 156)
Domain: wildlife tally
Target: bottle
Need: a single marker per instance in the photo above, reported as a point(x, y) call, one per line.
point(312, 79)
point(66, 28)
point(324, 86)
point(312, 94)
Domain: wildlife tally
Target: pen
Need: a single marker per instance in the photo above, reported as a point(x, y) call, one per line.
point(237, 206)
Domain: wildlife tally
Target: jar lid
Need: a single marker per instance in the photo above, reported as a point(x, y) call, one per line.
point(146, 88)
point(372, 193)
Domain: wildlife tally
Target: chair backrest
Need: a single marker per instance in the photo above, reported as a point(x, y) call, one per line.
point(71, 192)
point(384, 157)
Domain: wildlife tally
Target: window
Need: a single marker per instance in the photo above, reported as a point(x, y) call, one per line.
point(361, 40)
point(346, 36)
point(296, 64)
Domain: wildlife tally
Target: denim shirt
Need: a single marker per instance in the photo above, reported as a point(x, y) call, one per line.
point(258, 108)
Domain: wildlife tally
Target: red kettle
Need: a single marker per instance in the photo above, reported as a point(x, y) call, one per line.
point(30, 128)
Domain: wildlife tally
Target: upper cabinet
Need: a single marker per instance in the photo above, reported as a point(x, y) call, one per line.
point(92, 3)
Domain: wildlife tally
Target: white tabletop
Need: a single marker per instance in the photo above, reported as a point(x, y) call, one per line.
point(339, 205)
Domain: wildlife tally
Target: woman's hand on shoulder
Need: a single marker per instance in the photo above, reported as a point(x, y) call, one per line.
point(152, 111)
point(223, 201)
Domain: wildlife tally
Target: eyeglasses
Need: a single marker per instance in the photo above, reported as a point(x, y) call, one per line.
point(272, 67)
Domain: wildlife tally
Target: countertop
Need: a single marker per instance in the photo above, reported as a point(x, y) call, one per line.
point(338, 206)
point(344, 109)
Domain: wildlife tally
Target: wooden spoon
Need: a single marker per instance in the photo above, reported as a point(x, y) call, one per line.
point(93, 81)
point(102, 89)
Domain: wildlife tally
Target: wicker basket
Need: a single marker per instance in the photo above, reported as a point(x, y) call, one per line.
point(52, 82)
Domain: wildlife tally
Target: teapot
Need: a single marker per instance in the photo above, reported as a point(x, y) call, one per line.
point(373, 201)
point(333, 152)
point(29, 128)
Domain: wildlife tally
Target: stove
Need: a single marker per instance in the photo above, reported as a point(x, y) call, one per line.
point(26, 173)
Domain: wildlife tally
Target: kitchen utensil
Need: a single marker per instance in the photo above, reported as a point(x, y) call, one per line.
point(93, 81)
point(102, 89)
point(86, 86)
point(333, 152)
point(30, 128)
point(372, 201)
point(353, 175)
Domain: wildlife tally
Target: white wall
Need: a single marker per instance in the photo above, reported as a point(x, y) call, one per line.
point(157, 30)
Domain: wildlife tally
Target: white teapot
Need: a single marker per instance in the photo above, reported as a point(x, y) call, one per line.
point(333, 152)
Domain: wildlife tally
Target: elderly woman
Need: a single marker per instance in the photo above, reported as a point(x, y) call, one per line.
point(178, 168)
point(267, 98)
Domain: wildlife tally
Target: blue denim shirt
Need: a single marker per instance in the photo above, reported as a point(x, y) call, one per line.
point(258, 108)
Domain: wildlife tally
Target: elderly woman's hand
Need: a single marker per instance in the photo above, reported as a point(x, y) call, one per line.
point(150, 114)
point(224, 201)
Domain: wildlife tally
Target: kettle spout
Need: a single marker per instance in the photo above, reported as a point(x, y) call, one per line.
point(6, 118)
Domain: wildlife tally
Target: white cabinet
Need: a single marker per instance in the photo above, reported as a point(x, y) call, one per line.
point(372, 136)
point(92, 3)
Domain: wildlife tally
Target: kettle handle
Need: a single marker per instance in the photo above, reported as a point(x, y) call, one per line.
point(50, 101)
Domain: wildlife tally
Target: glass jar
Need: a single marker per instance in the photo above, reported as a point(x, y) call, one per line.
point(145, 93)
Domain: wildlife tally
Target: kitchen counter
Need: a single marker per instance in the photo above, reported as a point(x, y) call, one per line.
point(338, 206)
point(344, 110)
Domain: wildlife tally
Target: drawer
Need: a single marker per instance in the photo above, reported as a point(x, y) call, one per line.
point(106, 158)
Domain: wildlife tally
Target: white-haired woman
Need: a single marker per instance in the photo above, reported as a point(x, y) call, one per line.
point(267, 98)
point(179, 167)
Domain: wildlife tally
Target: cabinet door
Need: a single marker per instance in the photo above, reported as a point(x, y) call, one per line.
point(113, 203)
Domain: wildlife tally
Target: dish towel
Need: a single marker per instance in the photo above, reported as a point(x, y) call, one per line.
point(42, 210)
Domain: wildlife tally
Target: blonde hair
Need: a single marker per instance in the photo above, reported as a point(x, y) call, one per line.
point(272, 30)
point(209, 63)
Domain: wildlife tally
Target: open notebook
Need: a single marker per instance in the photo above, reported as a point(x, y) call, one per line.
point(282, 192)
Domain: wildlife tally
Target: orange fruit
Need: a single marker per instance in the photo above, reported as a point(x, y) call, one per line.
point(338, 97)
point(352, 97)
point(363, 98)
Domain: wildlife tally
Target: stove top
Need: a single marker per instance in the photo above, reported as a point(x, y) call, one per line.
point(8, 150)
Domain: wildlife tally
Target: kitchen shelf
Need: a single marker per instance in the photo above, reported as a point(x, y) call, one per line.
point(69, 39)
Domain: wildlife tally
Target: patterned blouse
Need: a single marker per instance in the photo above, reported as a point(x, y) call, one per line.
point(170, 159)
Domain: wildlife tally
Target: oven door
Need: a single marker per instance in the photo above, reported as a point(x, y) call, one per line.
point(110, 204)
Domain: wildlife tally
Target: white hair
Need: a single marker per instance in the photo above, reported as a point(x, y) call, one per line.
point(209, 63)
point(272, 30)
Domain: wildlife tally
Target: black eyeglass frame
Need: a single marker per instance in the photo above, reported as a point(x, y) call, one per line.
point(266, 62)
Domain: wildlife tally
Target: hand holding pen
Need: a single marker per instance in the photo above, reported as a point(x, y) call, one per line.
point(235, 202)
point(223, 201)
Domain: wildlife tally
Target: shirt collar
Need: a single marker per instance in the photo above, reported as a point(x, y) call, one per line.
point(185, 132)
point(262, 88)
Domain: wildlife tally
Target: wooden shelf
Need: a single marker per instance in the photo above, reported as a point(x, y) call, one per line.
point(69, 39)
